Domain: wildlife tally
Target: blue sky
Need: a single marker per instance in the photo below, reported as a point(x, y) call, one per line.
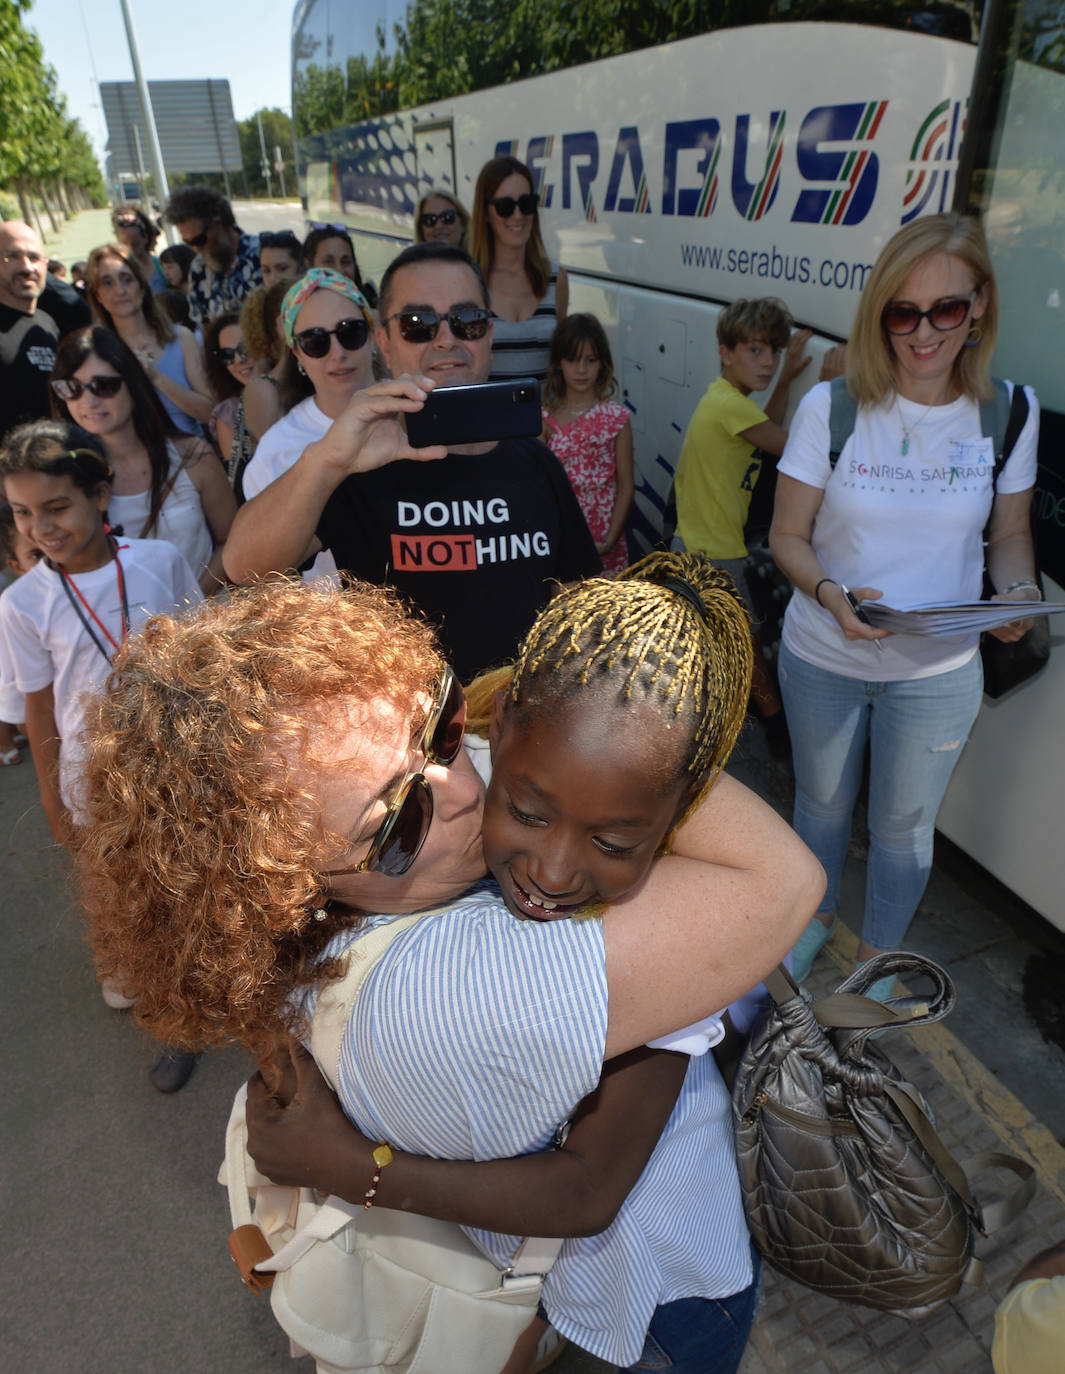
point(85, 41)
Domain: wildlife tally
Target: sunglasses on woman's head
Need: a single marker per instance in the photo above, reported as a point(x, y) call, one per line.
point(315, 343)
point(429, 219)
point(900, 317)
point(228, 356)
point(422, 326)
point(69, 388)
point(339, 228)
point(402, 833)
point(506, 205)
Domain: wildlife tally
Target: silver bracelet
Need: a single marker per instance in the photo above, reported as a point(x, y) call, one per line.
point(1025, 584)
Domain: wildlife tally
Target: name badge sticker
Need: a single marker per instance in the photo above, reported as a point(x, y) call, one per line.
point(972, 453)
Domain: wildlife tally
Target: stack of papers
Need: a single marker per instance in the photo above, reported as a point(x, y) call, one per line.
point(939, 618)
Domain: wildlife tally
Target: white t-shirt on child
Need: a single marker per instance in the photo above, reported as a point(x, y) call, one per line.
point(45, 640)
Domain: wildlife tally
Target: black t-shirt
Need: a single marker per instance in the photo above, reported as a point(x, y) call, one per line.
point(27, 353)
point(66, 305)
point(474, 541)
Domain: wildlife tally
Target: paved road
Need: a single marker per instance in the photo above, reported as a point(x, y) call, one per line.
point(116, 1231)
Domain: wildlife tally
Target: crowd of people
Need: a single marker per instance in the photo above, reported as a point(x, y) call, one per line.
point(303, 755)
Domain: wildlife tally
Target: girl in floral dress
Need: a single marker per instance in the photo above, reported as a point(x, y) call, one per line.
point(590, 434)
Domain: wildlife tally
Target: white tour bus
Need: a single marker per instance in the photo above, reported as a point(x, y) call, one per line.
point(774, 159)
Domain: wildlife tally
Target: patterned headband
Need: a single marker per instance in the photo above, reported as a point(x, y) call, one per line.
point(319, 279)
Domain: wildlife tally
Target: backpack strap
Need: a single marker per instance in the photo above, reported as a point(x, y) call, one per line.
point(842, 414)
point(1002, 418)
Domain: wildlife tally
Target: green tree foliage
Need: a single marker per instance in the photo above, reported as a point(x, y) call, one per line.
point(42, 151)
point(445, 48)
point(277, 132)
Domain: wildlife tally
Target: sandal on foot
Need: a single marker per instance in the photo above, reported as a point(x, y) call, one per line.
point(809, 946)
point(9, 759)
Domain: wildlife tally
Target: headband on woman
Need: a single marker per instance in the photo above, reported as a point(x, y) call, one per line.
point(319, 279)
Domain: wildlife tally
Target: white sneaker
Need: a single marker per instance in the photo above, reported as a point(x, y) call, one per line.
point(114, 996)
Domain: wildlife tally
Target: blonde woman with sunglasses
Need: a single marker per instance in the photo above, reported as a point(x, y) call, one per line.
point(529, 292)
point(900, 515)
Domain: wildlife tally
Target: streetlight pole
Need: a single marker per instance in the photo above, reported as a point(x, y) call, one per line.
point(155, 153)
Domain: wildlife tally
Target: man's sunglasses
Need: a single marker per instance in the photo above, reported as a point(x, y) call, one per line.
point(228, 356)
point(283, 238)
point(421, 326)
point(198, 241)
point(506, 205)
point(69, 388)
point(903, 318)
point(402, 833)
point(429, 220)
point(315, 343)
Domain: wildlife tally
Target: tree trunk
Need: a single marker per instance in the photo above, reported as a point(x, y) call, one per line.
point(29, 209)
point(48, 208)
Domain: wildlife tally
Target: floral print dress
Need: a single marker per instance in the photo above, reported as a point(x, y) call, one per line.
point(585, 448)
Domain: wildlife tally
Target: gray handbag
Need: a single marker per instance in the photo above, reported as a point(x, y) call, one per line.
point(848, 1189)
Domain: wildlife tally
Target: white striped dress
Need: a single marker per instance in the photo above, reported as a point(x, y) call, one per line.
point(474, 1037)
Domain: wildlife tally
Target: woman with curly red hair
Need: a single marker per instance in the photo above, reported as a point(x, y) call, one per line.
point(312, 739)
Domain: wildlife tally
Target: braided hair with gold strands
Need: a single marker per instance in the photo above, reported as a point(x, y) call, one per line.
point(670, 631)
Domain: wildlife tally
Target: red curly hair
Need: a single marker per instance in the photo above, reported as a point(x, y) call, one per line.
point(201, 857)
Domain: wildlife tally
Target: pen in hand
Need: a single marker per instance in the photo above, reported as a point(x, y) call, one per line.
point(855, 605)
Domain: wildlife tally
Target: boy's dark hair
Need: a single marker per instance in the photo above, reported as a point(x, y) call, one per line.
point(200, 202)
point(428, 252)
point(744, 321)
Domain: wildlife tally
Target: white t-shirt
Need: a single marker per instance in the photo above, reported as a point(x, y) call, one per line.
point(181, 520)
point(45, 641)
point(277, 451)
point(911, 525)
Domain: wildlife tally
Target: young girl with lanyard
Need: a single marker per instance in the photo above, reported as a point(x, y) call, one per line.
point(61, 623)
point(589, 433)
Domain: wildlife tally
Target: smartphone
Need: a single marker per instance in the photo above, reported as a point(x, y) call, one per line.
point(454, 415)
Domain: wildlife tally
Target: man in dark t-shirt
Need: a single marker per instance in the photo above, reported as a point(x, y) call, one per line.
point(33, 318)
point(475, 539)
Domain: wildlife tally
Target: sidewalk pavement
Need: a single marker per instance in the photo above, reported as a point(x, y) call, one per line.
point(77, 237)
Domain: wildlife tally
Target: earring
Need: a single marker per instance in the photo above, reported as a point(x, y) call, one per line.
point(301, 369)
point(974, 335)
point(321, 914)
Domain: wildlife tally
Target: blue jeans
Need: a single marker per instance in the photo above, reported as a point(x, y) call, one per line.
point(701, 1335)
point(916, 731)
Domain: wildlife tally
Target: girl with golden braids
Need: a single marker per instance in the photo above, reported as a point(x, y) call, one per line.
point(606, 734)
point(475, 1035)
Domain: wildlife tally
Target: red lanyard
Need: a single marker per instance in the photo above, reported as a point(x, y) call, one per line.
point(72, 590)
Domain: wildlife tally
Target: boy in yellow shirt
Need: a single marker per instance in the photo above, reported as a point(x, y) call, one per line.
point(719, 466)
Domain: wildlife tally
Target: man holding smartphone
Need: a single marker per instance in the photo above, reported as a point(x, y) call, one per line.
point(475, 539)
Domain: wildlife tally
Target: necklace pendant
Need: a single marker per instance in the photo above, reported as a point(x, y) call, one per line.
point(905, 446)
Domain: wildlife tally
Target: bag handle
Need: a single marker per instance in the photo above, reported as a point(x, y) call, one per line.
point(847, 1009)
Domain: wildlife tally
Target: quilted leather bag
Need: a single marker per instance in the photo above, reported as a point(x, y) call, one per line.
point(372, 1291)
point(848, 1188)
